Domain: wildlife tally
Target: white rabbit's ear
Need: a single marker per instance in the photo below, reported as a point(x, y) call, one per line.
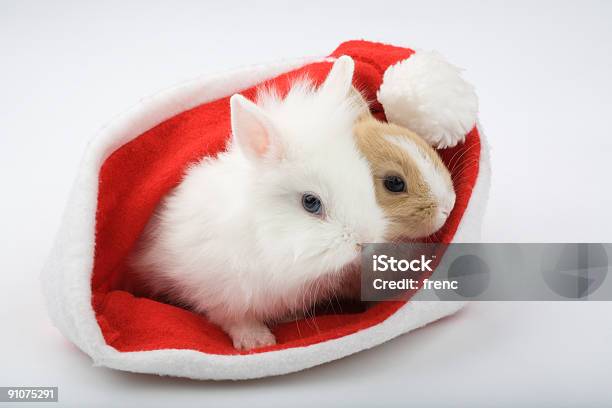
point(252, 129)
point(340, 77)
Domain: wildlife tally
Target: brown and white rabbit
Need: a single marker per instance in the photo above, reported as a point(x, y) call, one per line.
point(413, 186)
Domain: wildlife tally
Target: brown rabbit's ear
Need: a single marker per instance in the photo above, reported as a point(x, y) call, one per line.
point(340, 78)
point(252, 129)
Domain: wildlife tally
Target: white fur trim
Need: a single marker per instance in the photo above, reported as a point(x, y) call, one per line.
point(427, 95)
point(67, 274)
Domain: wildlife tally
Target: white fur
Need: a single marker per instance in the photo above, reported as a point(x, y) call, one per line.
point(66, 278)
point(428, 95)
point(233, 241)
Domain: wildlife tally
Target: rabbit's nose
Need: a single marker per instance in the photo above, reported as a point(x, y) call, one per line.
point(354, 239)
point(348, 235)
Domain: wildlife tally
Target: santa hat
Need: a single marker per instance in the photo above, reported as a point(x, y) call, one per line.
point(138, 158)
point(416, 89)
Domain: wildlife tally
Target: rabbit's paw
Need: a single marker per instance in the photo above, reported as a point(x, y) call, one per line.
point(251, 335)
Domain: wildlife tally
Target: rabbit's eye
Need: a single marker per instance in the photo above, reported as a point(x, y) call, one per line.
point(312, 203)
point(395, 184)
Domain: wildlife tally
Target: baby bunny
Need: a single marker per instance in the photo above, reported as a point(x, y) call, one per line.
point(412, 184)
point(275, 223)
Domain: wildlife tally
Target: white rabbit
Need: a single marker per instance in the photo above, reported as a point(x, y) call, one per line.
point(276, 222)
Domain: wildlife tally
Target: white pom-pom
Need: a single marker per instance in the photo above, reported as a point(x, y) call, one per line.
point(427, 95)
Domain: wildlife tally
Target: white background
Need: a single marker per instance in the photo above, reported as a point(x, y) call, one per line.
point(542, 72)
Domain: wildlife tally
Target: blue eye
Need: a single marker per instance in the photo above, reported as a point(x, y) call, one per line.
point(312, 204)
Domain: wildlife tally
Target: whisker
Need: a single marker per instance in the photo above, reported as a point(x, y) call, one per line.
point(468, 165)
point(462, 166)
point(465, 151)
point(450, 162)
point(458, 160)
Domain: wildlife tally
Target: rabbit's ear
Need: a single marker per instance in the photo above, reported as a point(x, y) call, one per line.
point(340, 77)
point(252, 129)
point(359, 100)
